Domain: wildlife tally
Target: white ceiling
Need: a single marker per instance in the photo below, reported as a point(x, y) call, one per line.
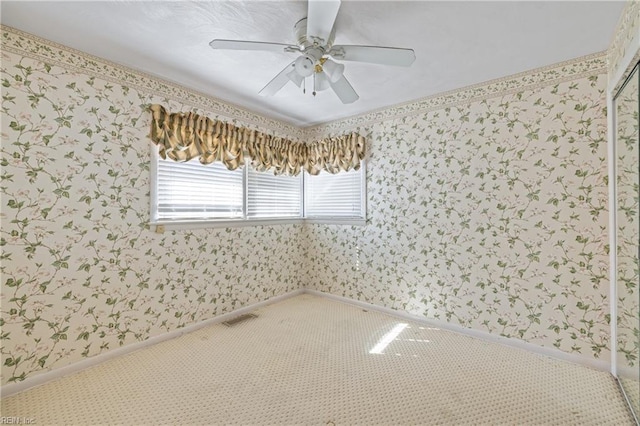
point(456, 43)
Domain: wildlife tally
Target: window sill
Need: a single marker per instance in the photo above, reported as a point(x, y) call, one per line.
point(337, 221)
point(162, 226)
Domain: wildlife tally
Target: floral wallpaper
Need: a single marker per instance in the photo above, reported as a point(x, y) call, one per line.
point(489, 214)
point(573, 69)
point(28, 45)
point(82, 272)
point(486, 208)
point(628, 187)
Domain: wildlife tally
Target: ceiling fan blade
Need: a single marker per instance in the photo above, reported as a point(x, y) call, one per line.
point(374, 54)
point(344, 91)
point(296, 78)
point(278, 82)
point(320, 18)
point(252, 45)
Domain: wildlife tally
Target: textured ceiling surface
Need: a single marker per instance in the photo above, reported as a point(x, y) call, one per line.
point(457, 44)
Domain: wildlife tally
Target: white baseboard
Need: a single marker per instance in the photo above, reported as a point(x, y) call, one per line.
point(30, 382)
point(632, 373)
point(479, 334)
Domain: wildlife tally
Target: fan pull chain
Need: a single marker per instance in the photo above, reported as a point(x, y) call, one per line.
point(314, 84)
point(304, 86)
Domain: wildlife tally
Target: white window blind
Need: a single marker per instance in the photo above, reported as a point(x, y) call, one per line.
point(189, 192)
point(193, 191)
point(271, 196)
point(338, 195)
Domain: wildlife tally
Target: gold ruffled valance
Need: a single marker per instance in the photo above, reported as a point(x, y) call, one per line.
point(184, 136)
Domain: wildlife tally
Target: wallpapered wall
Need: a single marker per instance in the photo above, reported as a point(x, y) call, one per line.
point(490, 214)
point(81, 273)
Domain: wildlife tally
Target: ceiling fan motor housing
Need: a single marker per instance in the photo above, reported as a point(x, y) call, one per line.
point(315, 35)
point(300, 34)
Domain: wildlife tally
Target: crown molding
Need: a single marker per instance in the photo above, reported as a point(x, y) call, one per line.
point(25, 44)
point(624, 51)
point(29, 45)
point(540, 77)
point(627, 30)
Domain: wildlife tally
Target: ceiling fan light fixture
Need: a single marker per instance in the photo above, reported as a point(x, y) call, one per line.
point(321, 82)
point(333, 70)
point(315, 35)
point(304, 66)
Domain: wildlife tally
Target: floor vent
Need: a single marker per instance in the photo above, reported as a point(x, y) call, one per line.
point(239, 319)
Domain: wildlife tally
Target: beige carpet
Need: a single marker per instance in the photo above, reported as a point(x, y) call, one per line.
point(310, 360)
point(632, 389)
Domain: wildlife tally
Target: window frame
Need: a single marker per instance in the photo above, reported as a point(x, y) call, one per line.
point(160, 225)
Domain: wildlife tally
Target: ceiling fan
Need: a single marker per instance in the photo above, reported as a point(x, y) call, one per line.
point(315, 35)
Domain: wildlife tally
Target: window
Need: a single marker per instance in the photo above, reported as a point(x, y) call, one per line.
point(273, 196)
point(186, 191)
point(335, 196)
point(185, 194)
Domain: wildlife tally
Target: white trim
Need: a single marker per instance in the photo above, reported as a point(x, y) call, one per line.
point(626, 69)
point(532, 79)
point(617, 77)
point(199, 224)
point(40, 379)
point(336, 221)
point(304, 193)
point(363, 191)
point(28, 45)
point(303, 197)
point(629, 403)
point(632, 373)
point(47, 51)
point(631, 49)
point(161, 226)
point(478, 334)
point(613, 243)
point(153, 181)
point(245, 192)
